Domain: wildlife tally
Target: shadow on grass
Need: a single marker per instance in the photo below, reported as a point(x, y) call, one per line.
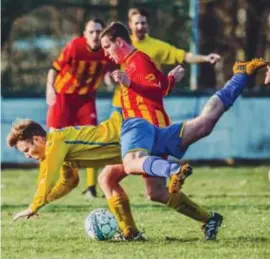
point(159, 207)
point(247, 239)
point(224, 195)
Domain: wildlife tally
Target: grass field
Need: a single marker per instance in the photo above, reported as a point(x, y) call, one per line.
point(241, 194)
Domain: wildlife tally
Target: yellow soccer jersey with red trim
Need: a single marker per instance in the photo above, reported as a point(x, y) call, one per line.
point(160, 52)
point(81, 147)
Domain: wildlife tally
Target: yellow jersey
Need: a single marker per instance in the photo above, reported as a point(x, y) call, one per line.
point(74, 147)
point(160, 52)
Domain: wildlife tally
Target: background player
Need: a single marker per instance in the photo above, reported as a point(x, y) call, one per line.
point(72, 83)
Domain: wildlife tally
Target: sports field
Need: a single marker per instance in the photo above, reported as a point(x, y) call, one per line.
point(241, 195)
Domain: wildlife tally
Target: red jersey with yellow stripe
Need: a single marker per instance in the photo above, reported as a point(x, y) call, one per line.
point(80, 69)
point(143, 98)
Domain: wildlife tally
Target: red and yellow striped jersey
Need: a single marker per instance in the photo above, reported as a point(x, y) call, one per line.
point(144, 96)
point(80, 69)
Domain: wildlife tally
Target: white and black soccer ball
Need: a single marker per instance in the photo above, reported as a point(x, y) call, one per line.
point(100, 225)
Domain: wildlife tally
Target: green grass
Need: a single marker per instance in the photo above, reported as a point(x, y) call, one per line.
point(242, 195)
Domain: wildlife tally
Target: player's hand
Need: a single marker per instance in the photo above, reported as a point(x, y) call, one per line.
point(50, 96)
point(121, 77)
point(28, 213)
point(178, 73)
point(212, 58)
point(108, 80)
point(267, 76)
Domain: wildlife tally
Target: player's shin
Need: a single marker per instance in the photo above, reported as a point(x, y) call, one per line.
point(156, 166)
point(184, 205)
point(232, 89)
point(120, 208)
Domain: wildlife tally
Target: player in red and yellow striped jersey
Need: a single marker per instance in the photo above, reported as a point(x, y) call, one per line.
point(72, 83)
point(160, 52)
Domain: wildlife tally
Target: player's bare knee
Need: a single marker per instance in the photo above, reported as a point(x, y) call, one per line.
point(153, 195)
point(104, 177)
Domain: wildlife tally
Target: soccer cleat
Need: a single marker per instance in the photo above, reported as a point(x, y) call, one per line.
point(90, 192)
point(119, 236)
point(178, 179)
point(249, 67)
point(210, 228)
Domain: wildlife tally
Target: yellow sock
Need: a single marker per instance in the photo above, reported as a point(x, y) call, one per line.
point(91, 176)
point(182, 204)
point(120, 208)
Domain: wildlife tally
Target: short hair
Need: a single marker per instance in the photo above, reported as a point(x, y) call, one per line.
point(115, 30)
point(96, 20)
point(134, 11)
point(24, 129)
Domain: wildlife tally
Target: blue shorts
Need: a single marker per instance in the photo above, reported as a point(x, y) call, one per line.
point(138, 134)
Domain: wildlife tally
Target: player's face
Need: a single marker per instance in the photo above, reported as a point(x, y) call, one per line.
point(113, 50)
point(33, 149)
point(91, 33)
point(138, 25)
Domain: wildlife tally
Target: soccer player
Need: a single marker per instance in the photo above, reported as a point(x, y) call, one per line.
point(144, 97)
point(140, 141)
point(61, 152)
point(71, 86)
point(160, 52)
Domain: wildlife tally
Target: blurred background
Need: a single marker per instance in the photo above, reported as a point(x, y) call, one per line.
point(35, 31)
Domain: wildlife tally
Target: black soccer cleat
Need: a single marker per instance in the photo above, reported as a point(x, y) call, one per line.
point(210, 228)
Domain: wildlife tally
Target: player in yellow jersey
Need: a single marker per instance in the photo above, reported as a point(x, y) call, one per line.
point(160, 52)
point(62, 151)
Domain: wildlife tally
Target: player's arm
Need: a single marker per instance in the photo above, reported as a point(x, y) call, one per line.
point(171, 55)
point(68, 180)
point(50, 92)
point(211, 58)
point(48, 174)
point(64, 58)
point(145, 78)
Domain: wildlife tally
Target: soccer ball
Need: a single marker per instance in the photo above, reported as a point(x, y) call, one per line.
point(100, 225)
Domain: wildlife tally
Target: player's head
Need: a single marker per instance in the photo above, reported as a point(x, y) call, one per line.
point(92, 31)
point(28, 137)
point(115, 40)
point(138, 22)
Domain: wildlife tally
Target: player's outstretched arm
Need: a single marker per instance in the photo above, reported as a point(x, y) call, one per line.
point(212, 58)
point(28, 213)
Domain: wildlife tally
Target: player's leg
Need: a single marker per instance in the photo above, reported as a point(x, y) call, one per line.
point(138, 138)
point(219, 103)
point(118, 201)
point(157, 191)
point(87, 115)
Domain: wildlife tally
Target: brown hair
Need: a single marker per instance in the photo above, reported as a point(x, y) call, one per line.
point(115, 30)
point(24, 129)
point(95, 20)
point(134, 11)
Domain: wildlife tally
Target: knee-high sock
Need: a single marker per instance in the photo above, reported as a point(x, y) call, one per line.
point(120, 208)
point(182, 204)
point(157, 166)
point(232, 89)
point(91, 176)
